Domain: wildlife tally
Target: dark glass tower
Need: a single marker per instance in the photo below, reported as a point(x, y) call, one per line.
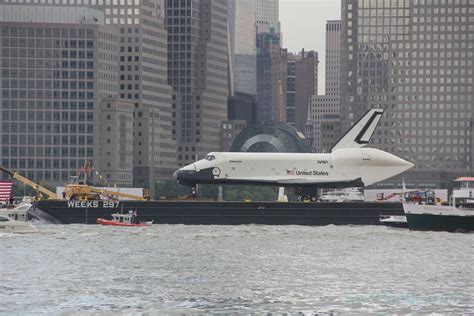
point(198, 72)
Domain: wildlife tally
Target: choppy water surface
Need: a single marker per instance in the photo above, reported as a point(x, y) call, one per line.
point(226, 269)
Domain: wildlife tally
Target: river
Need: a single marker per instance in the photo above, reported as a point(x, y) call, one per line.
point(236, 269)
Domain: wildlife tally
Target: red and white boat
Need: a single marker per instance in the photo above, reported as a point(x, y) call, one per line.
point(128, 220)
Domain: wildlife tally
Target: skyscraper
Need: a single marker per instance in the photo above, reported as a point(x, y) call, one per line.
point(115, 141)
point(142, 77)
point(322, 127)
point(271, 78)
point(242, 104)
point(291, 89)
point(198, 72)
point(243, 49)
point(143, 81)
point(306, 85)
point(415, 59)
point(333, 57)
point(268, 16)
point(271, 63)
point(58, 64)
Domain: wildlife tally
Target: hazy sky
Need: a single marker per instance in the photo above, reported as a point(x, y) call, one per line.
point(303, 23)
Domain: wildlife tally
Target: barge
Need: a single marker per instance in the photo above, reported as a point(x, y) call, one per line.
point(199, 212)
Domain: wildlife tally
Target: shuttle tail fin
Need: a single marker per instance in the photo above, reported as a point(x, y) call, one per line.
point(359, 135)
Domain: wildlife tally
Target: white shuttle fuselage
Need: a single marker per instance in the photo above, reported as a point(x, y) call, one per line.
point(348, 164)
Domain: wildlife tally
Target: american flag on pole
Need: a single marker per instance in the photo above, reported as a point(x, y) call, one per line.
point(5, 190)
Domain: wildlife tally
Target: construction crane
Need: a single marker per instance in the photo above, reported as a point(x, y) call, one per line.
point(41, 190)
point(81, 191)
point(74, 191)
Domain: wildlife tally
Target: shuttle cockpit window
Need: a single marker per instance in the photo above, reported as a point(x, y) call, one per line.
point(210, 157)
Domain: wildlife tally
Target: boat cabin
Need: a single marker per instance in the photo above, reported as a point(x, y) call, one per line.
point(123, 218)
point(18, 216)
point(18, 213)
point(465, 190)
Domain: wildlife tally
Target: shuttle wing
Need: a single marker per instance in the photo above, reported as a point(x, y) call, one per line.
point(333, 183)
point(359, 135)
point(302, 182)
point(318, 181)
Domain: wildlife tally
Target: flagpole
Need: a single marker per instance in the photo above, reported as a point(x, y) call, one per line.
point(403, 190)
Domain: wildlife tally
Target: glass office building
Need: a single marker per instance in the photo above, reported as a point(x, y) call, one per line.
point(414, 59)
point(53, 76)
point(242, 44)
point(141, 65)
point(198, 63)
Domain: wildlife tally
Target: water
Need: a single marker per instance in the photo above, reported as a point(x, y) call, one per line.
point(168, 269)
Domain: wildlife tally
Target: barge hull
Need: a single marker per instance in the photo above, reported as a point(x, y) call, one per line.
point(221, 213)
point(435, 222)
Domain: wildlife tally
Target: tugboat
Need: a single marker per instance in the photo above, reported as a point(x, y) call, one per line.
point(439, 217)
point(457, 217)
point(128, 220)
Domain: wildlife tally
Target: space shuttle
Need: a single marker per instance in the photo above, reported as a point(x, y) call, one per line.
point(348, 164)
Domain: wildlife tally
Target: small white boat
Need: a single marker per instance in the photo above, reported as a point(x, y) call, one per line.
point(17, 213)
point(14, 220)
point(8, 225)
point(394, 221)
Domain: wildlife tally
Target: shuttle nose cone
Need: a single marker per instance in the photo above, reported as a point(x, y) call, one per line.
point(185, 175)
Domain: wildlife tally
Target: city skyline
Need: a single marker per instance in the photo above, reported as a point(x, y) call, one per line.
point(187, 74)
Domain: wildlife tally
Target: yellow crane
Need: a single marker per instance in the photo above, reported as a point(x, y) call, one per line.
point(41, 190)
point(74, 191)
point(81, 191)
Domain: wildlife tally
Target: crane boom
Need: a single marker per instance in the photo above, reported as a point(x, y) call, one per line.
point(120, 194)
point(15, 175)
point(79, 191)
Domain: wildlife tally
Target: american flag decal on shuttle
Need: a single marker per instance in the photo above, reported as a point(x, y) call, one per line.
point(290, 172)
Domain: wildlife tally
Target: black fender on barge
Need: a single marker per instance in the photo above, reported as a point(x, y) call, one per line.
point(222, 213)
